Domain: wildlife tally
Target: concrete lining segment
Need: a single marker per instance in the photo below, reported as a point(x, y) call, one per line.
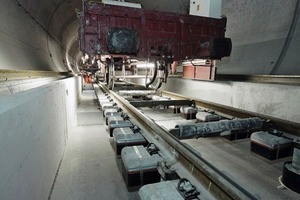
point(279, 101)
point(29, 26)
point(34, 130)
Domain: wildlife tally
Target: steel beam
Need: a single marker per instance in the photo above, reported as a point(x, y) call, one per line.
point(151, 103)
point(229, 112)
point(211, 129)
point(136, 92)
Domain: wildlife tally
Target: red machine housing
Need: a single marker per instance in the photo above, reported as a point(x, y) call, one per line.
point(177, 36)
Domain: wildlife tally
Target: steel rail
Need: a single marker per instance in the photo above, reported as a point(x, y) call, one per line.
point(230, 112)
point(213, 179)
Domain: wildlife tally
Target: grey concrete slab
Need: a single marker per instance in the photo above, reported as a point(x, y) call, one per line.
point(256, 174)
point(88, 106)
point(87, 87)
point(89, 118)
point(90, 169)
point(88, 109)
point(277, 100)
point(33, 134)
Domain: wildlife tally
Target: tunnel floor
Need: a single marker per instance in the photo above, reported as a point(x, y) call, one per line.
point(89, 169)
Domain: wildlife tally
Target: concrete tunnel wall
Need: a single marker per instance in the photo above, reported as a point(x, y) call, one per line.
point(39, 35)
point(265, 39)
point(42, 35)
point(36, 35)
point(33, 135)
point(273, 100)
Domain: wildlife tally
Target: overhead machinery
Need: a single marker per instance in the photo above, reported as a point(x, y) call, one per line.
point(122, 42)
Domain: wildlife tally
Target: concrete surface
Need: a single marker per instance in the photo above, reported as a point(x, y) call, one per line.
point(34, 131)
point(256, 174)
point(89, 168)
point(15, 86)
point(259, 30)
point(38, 35)
point(279, 101)
point(88, 110)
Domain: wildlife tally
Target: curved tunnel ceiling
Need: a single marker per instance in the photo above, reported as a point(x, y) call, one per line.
point(42, 35)
point(58, 18)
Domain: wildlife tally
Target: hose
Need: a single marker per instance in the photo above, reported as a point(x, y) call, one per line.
point(288, 38)
point(154, 76)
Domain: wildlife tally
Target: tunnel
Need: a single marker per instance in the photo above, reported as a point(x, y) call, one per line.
point(42, 84)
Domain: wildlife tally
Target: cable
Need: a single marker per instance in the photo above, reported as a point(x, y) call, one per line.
point(288, 39)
